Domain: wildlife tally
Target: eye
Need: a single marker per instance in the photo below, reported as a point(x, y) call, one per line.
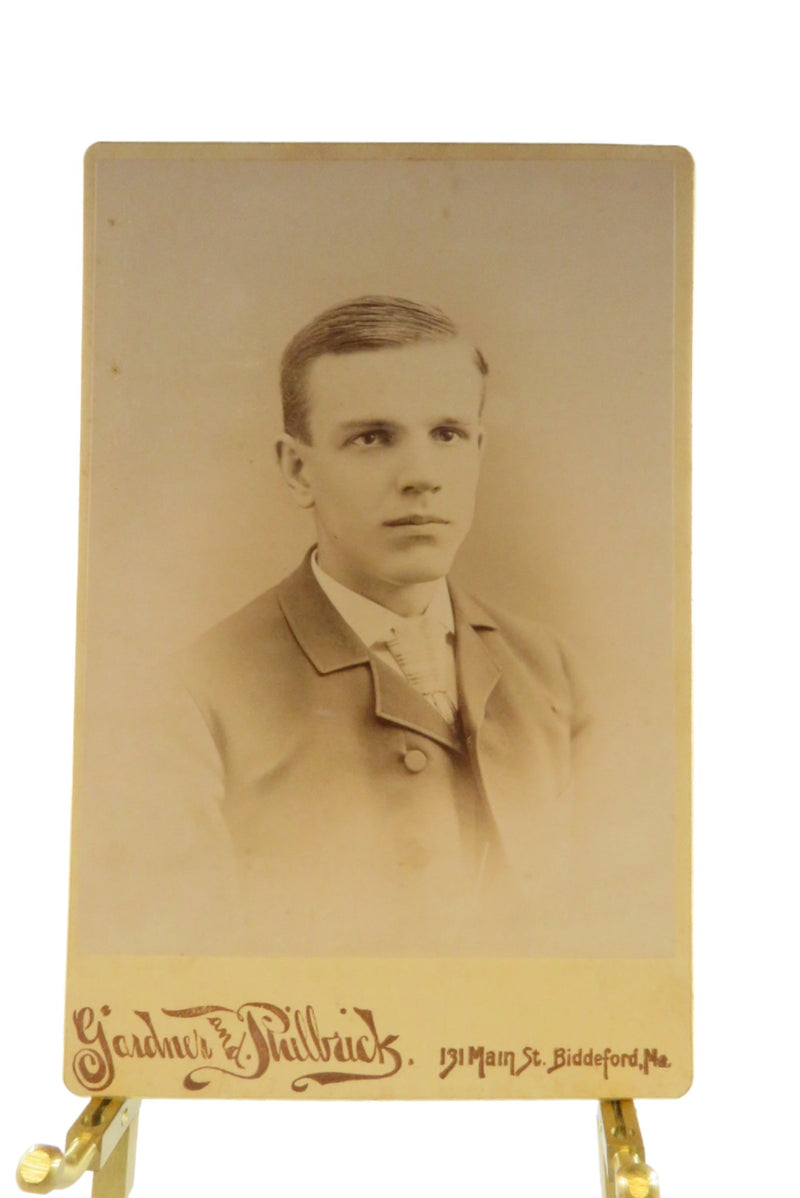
point(371, 437)
point(448, 433)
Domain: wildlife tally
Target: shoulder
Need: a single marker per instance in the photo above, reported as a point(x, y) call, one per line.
point(252, 644)
point(256, 624)
point(539, 646)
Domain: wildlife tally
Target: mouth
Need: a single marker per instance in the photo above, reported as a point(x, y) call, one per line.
point(414, 521)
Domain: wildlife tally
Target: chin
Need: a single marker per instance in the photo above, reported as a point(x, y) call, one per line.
point(426, 567)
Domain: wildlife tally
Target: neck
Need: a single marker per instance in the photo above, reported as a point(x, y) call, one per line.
point(409, 600)
point(404, 599)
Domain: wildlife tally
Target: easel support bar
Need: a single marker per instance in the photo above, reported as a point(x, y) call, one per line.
point(624, 1171)
point(103, 1139)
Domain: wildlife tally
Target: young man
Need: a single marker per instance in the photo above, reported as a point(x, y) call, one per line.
point(396, 758)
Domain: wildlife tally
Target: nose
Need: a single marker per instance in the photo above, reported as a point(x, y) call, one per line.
point(418, 486)
point(417, 472)
point(412, 481)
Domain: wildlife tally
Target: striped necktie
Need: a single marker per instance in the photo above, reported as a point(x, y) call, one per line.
point(419, 646)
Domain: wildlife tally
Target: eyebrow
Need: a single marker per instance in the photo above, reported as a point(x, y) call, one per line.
point(366, 422)
point(346, 425)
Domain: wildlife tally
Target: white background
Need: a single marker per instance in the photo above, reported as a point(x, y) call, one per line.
point(713, 78)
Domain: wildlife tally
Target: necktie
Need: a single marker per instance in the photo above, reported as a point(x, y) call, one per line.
point(419, 647)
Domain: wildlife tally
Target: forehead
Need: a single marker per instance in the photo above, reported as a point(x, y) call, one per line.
point(408, 382)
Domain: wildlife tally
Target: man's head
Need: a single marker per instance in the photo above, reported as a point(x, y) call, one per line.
point(383, 401)
point(371, 322)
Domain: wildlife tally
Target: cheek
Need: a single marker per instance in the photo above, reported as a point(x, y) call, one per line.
point(465, 480)
point(363, 484)
point(337, 486)
point(349, 500)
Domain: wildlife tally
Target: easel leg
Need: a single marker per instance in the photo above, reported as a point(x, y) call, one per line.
point(115, 1178)
point(624, 1171)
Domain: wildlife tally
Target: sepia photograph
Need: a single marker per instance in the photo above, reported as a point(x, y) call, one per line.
point(383, 628)
point(517, 172)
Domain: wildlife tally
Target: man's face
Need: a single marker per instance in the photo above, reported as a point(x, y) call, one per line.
point(392, 467)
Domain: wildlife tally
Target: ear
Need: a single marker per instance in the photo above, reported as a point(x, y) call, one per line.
point(292, 460)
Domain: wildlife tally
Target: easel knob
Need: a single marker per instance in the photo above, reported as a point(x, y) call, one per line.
point(44, 1168)
point(90, 1143)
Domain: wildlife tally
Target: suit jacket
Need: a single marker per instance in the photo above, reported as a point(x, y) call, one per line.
point(363, 822)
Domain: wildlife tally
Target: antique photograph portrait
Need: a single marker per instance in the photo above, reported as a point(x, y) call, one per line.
point(383, 646)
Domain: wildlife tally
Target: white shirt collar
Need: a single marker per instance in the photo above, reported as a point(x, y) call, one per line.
point(370, 621)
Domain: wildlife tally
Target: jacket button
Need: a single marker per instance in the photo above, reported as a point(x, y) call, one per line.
point(415, 761)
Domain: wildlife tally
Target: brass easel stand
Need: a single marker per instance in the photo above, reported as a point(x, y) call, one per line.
point(623, 1169)
point(103, 1139)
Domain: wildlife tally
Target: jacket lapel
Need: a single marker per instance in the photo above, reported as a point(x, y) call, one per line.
point(476, 669)
point(327, 640)
point(398, 702)
point(330, 644)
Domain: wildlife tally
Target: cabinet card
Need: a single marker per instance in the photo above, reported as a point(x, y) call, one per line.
point(382, 723)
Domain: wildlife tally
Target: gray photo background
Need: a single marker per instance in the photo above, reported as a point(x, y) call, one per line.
point(561, 271)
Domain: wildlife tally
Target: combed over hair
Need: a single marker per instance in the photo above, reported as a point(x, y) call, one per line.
point(369, 323)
